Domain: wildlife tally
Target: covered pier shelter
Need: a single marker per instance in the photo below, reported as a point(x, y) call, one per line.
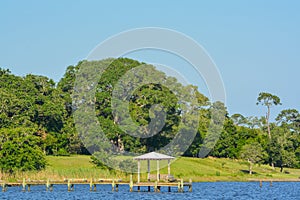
point(153, 156)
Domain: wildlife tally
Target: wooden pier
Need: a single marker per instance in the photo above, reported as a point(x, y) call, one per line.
point(160, 180)
point(271, 180)
point(93, 183)
point(158, 185)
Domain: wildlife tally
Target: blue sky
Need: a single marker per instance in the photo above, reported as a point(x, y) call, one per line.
point(255, 44)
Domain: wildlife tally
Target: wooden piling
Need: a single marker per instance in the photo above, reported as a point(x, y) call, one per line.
point(155, 186)
point(49, 186)
point(24, 185)
point(92, 186)
point(271, 183)
point(70, 186)
point(181, 185)
point(191, 185)
point(4, 187)
point(260, 183)
point(131, 184)
point(113, 186)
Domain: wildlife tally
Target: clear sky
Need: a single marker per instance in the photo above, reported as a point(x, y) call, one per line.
point(255, 44)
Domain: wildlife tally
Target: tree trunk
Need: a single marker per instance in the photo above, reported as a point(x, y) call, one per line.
point(269, 133)
point(281, 168)
point(268, 123)
point(250, 167)
point(272, 165)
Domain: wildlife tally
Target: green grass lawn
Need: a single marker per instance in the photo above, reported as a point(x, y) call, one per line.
point(208, 169)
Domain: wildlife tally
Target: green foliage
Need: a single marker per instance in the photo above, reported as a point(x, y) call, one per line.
point(226, 146)
point(267, 99)
point(283, 146)
point(239, 119)
point(253, 152)
point(36, 118)
point(290, 119)
point(19, 150)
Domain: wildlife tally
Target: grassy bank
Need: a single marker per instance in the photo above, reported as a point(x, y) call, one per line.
point(208, 169)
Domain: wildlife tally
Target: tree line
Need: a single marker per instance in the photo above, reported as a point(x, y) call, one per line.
point(36, 119)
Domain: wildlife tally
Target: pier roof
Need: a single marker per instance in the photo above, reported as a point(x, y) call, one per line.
point(153, 156)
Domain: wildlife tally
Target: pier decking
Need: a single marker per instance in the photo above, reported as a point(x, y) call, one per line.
point(93, 183)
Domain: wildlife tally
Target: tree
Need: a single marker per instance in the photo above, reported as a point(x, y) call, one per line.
point(268, 100)
point(239, 119)
point(253, 122)
point(226, 146)
point(217, 115)
point(283, 148)
point(289, 118)
point(253, 153)
point(20, 151)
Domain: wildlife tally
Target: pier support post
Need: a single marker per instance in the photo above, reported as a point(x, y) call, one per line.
point(139, 171)
point(131, 184)
point(49, 186)
point(169, 168)
point(271, 183)
point(149, 189)
point(4, 187)
point(180, 186)
point(70, 186)
point(190, 186)
point(117, 187)
point(148, 163)
point(158, 175)
point(24, 185)
point(260, 183)
point(92, 186)
point(113, 186)
point(155, 186)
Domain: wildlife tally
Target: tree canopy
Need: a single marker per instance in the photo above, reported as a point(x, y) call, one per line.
point(36, 119)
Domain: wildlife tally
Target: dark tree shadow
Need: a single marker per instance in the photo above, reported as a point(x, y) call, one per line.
point(247, 171)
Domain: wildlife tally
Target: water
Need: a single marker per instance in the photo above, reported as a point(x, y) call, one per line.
point(218, 190)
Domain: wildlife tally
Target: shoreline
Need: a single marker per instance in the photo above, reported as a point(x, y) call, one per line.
point(199, 170)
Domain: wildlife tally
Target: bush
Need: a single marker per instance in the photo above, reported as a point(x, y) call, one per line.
point(62, 152)
point(19, 151)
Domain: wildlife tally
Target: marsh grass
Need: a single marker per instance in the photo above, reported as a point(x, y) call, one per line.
point(199, 170)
